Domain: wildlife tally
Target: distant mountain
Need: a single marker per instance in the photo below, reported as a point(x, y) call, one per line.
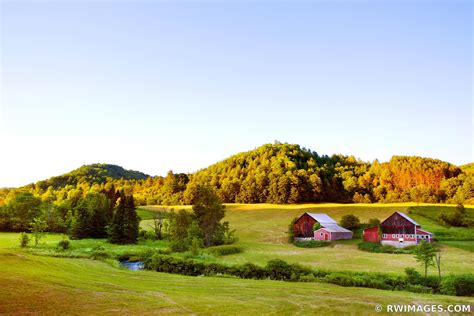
point(93, 173)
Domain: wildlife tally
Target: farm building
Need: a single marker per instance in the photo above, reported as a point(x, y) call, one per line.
point(371, 234)
point(398, 230)
point(329, 229)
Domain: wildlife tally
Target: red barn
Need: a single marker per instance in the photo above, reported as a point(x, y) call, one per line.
point(371, 234)
point(400, 231)
point(330, 230)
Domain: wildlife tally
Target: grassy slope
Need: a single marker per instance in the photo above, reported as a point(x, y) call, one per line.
point(261, 229)
point(38, 284)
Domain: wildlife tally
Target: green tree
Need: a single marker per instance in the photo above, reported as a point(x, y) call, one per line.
point(208, 212)
point(373, 222)
point(23, 208)
point(350, 222)
point(38, 226)
point(424, 254)
point(125, 222)
point(24, 240)
point(180, 224)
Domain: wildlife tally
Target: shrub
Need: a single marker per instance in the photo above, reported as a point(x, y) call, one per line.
point(24, 240)
point(459, 285)
point(379, 248)
point(64, 244)
point(413, 276)
point(373, 222)
point(251, 271)
point(99, 253)
point(417, 288)
point(278, 270)
point(224, 250)
point(311, 243)
point(291, 230)
point(350, 222)
point(179, 246)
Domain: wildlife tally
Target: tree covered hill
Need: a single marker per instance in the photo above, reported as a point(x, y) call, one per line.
point(275, 173)
point(286, 173)
point(93, 173)
point(468, 168)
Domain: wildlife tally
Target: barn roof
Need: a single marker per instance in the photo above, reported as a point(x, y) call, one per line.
point(322, 218)
point(335, 229)
point(422, 231)
point(408, 218)
point(405, 217)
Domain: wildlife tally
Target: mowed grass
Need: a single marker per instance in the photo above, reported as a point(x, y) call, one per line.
point(46, 285)
point(33, 284)
point(262, 228)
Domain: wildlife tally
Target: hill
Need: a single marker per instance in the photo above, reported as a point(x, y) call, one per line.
point(93, 173)
point(468, 168)
point(282, 174)
point(286, 173)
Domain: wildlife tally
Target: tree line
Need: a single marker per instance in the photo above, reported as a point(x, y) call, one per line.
point(275, 173)
point(97, 214)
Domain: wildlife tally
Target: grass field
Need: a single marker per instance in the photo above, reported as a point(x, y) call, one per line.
point(261, 229)
point(46, 285)
point(33, 284)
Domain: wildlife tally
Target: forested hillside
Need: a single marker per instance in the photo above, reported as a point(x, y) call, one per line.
point(273, 173)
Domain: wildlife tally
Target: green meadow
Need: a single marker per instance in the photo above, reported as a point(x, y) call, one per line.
point(262, 228)
point(35, 282)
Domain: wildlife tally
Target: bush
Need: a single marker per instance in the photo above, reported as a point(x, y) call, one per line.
point(379, 248)
point(417, 288)
point(413, 276)
point(373, 222)
point(224, 250)
point(278, 270)
point(251, 271)
point(64, 244)
point(459, 285)
point(24, 240)
point(350, 222)
point(311, 243)
point(291, 230)
point(179, 246)
point(99, 253)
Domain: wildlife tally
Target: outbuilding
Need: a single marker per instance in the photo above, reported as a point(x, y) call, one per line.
point(332, 232)
point(371, 234)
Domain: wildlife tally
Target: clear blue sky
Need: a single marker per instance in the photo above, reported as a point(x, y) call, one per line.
point(160, 85)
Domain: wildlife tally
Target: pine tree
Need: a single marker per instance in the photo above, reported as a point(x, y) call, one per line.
point(125, 221)
point(117, 227)
point(132, 220)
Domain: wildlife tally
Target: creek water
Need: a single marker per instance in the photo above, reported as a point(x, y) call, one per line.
point(132, 265)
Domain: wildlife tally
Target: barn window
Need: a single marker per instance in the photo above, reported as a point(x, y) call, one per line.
point(411, 236)
point(320, 234)
point(393, 236)
point(384, 235)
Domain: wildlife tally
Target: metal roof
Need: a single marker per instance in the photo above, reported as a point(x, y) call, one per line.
point(334, 228)
point(423, 231)
point(322, 218)
point(408, 218)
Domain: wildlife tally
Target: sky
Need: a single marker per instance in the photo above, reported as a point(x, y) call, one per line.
point(178, 85)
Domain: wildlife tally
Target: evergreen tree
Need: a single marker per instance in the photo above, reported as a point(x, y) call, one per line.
point(118, 225)
point(125, 221)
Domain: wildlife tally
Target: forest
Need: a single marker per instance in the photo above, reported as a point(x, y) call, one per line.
point(273, 173)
